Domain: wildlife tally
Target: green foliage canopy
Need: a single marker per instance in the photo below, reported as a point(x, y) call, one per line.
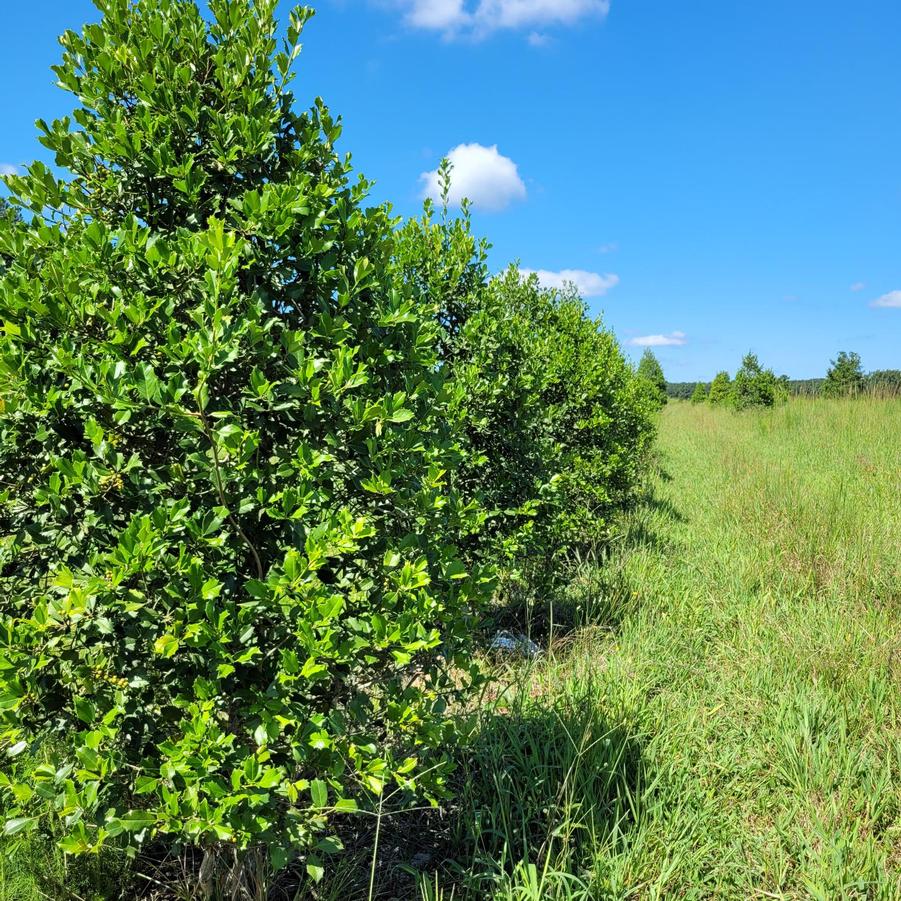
point(845, 376)
point(651, 371)
point(699, 395)
point(554, 420)
point(230, 600)
point(720, 390)
point(755, 386)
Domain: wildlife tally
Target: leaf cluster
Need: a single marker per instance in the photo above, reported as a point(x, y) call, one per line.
point(554, 420)
point(262, 453)
point(650, 370)
point(231, 598)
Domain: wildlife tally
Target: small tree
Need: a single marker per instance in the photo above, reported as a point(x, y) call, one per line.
point(650, 370)
point(699, 395)
point(845, 377)
point(230, 599)
point(755, 386)
point(720, 390)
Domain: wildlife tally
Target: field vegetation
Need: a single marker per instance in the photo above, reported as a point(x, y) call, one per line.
point(728, 726)
point(333, 566)
point(273, 465)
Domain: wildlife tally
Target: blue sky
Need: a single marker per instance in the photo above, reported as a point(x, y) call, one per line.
point(718, 176)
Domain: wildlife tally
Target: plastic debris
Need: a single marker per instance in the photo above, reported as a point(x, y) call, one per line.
point(510, 643)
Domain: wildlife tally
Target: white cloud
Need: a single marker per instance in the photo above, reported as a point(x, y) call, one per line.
point(486, 177)
point(7, 169)
point(892, 299)
point(480, 18)
point(858, 287)
point(588, 284)
point(436, 14)
point(537, 39)
point(674, 339)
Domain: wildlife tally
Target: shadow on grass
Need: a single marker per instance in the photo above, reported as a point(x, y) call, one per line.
point(661, 505)
point(549, 780)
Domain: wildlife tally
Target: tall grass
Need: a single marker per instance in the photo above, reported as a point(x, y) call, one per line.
point(751, 688)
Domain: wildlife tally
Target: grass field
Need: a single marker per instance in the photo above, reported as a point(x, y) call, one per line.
point(731, 727)
point(738, 733)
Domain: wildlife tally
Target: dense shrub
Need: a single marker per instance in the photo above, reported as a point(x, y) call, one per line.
point(229, 594)
point(845, 377)
point(651, 371)
point(720, 390)
point(593, 412)
point(555, 420)
point(699, 395)
point(755, 386)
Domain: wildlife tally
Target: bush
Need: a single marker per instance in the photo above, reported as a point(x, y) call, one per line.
point(699, 395)
point(845, 377)
point(593, 412)
point(755, 386)
point(231, 602)
point(555, 420)
point(720, 390)
point(651, 371)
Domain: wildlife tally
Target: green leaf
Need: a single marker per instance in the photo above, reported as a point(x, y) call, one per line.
point(319, 793)
point(278, 857)
point(19, 824)
point(166, 645)
point(315, 869)
point(85, 710)
point(137, 820)
point(145, 785)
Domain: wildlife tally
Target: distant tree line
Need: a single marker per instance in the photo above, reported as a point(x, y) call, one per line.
point(845, 378)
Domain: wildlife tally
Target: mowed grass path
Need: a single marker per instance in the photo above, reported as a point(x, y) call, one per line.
point(760, 666)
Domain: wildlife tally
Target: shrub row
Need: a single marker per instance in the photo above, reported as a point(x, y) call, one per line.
point(263, 452)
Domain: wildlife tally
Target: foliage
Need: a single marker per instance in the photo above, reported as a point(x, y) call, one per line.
point(700, 394)
point(9, 218)
point(845, 376)
point(755, 386)
point(651, 371)
point(34, 868)
point(720, 390)
point(767, 572)
point(683, 390)
point(8, 211)
point(593, 414)
point(886, 382)
point(805, 387)
point(231, 602)
point(555, 421)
